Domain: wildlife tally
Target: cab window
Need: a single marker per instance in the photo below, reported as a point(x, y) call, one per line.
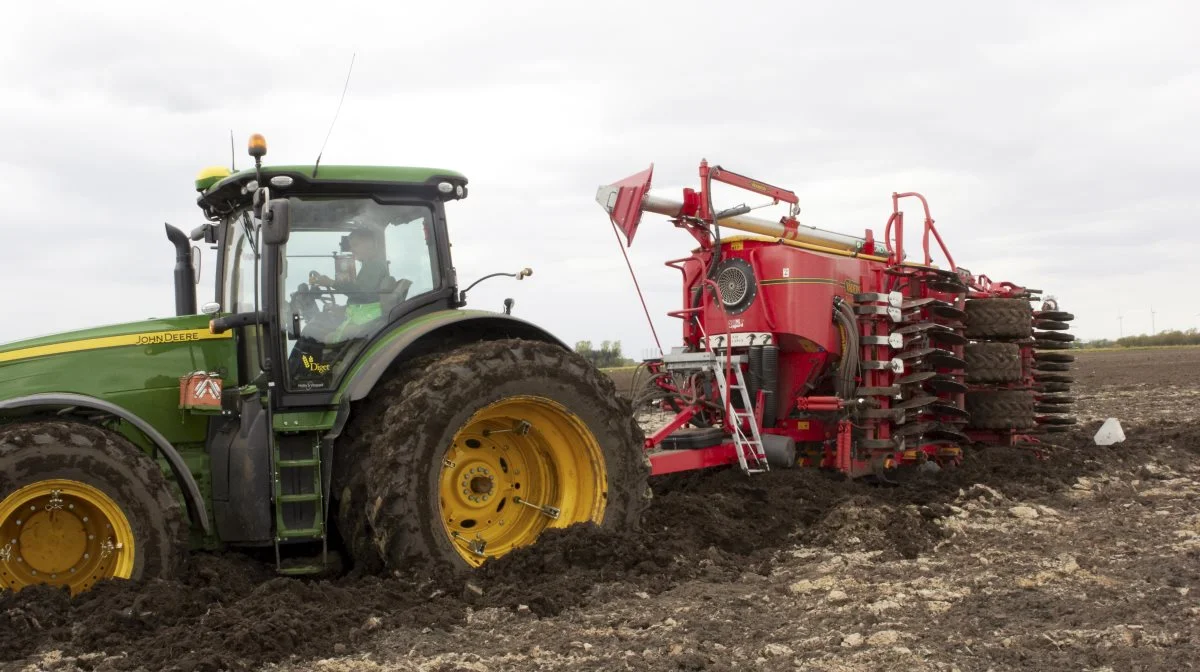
point(347, 265)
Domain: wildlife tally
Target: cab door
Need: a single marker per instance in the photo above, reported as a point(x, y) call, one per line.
point(239, 442)
point(242, 291)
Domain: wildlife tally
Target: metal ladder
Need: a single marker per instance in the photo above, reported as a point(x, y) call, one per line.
point(310, 499)
point(751, 456)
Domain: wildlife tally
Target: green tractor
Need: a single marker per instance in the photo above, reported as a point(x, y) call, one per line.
point(335, 401)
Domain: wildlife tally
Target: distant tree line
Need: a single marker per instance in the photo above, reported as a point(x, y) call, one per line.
point(1169, 337)
point(607, 356)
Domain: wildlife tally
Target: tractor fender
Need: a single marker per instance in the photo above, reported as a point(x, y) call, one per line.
point(424, 333)
point(58, 401)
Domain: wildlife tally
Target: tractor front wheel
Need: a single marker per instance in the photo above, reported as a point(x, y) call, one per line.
point(79, 504)
point(482, 449)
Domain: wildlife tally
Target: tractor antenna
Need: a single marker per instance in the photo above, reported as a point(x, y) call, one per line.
point(232, 153)
point(335, 116)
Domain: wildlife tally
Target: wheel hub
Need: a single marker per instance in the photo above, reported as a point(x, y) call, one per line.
point(53, 542)
point(482, 485)
point(63, 533)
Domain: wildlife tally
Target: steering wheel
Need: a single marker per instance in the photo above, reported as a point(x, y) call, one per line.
point(325, 295)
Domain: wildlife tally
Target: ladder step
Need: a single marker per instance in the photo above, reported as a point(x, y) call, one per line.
point(301, 570)
point(311, 462)
point(308, 532)
point(306, 497)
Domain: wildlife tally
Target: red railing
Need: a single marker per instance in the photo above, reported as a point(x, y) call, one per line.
point(896, 253)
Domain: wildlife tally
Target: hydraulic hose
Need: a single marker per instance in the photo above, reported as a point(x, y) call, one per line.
point(855, 350)
point(855, 354)
point(848, 368)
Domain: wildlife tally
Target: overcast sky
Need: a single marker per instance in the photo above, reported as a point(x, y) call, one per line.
point(1057, 142)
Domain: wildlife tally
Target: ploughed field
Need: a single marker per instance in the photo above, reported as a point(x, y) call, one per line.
point(1080, 558)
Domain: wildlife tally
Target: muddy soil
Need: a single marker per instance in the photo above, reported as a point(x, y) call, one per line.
point(1077, 557)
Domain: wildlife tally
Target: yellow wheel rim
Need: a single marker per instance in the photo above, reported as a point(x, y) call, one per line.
point(516, 468)
point(63, 533)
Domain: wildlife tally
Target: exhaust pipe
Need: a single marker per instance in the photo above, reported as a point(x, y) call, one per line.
point(185, 285)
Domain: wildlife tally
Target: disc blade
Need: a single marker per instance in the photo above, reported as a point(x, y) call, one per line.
point(944, 408)
point(1054, 336)
point(944, 385)
point(916, 402)
point(1054, 356)
point(919, 376)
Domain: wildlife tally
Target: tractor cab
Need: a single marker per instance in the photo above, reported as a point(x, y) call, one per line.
point(316, 261)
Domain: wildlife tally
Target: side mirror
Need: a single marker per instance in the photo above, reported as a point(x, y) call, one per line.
point(276, 226)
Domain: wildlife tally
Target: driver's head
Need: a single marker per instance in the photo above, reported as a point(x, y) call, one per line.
point(366, 241)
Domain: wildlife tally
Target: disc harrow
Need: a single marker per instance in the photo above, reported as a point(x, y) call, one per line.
point(1054, 401)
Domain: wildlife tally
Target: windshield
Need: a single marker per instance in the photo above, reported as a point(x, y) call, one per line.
point(347, 265)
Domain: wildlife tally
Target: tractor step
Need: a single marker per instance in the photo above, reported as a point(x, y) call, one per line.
point(286, 464)
point(299, 499)
point(300, 533)
point(310, 497)
point(300, 570)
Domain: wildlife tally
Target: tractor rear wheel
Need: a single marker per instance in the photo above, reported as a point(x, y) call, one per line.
point(79, 504)
point(483, 448)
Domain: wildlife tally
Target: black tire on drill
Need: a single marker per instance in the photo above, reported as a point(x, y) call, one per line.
point(1000, 409)
point(42, 450)
point(998, 319)
point(992, 362)
point(395, 519)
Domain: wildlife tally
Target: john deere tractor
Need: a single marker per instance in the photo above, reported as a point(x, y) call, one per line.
point(335, 399)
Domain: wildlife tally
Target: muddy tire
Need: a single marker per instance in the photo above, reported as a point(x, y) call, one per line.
point(998, 318)
point(1000, 409)
point(73, 469)
point(992, 362)
point(418, 509)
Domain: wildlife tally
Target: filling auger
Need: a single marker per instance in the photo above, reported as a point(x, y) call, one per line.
point(803, 346)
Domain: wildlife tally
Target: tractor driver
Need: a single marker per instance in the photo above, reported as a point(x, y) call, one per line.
point(366, 243)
